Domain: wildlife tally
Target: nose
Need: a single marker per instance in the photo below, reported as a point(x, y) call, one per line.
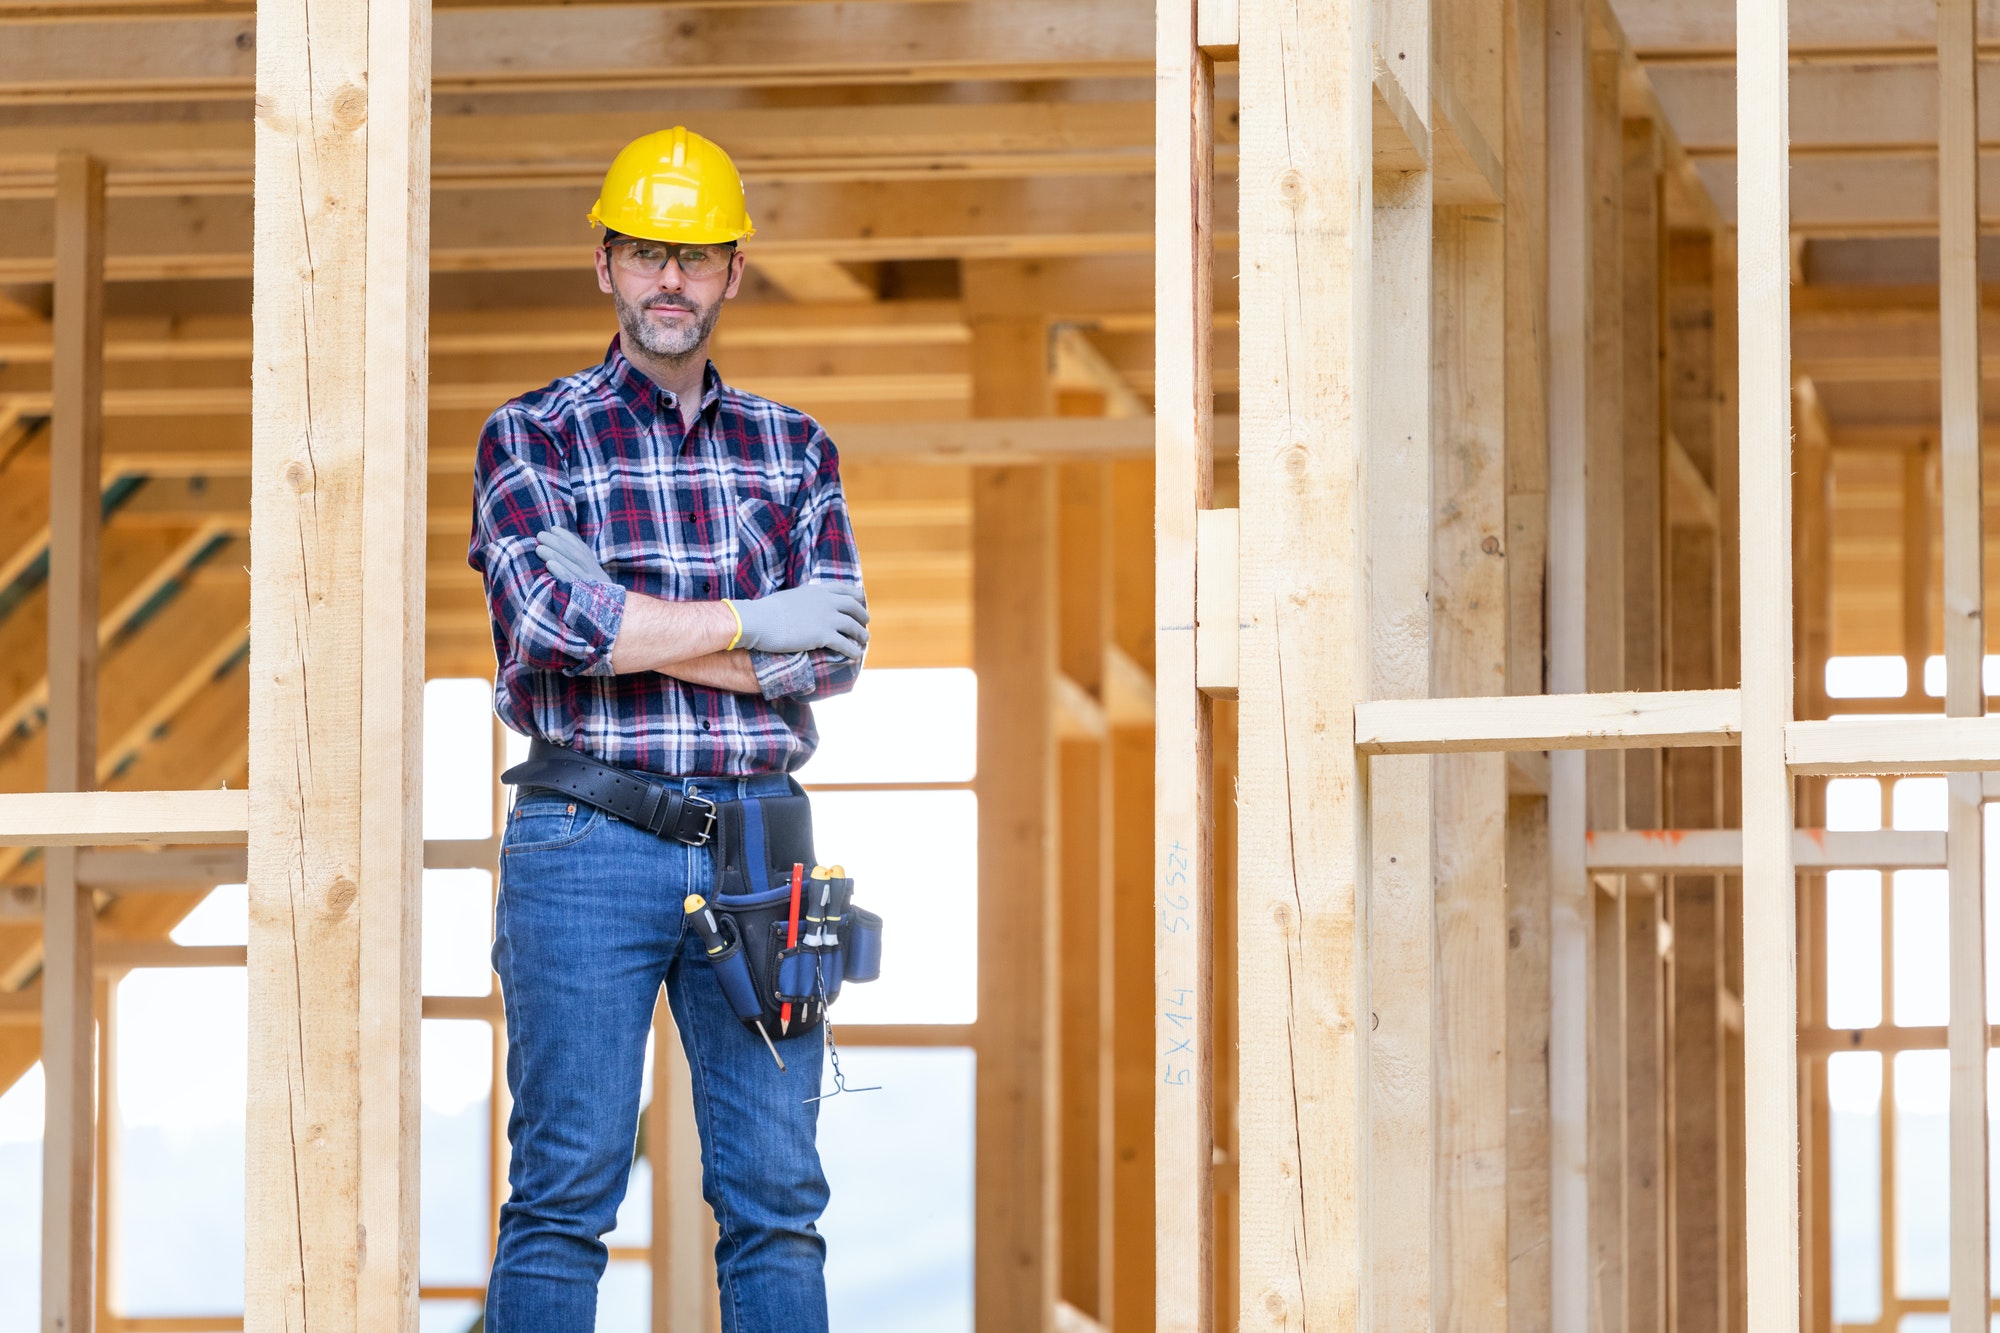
point(671, 277)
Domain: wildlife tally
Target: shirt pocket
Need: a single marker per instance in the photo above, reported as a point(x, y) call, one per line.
point(541, 824)
point(763, 546)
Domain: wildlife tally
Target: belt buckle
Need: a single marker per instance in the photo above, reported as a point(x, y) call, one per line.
point(708, 810)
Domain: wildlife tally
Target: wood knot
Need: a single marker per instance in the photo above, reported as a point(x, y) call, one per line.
point(340, 895)
point(1282, 914)
point(1491, 546)
point(1292, 188)
point(350, 107)
point(1295, 458)
point(297, 476)
point(1277, 1306)
point(246, 39)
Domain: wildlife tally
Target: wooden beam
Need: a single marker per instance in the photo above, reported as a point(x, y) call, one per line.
point(1917, 743)
point(1468, 617)
point(1605, 493)
point(1180, 897)
point(1083, 555)
point(391, 658)
point(69, 1034)
point(904, 140)
point(43, 819)
point(1401, 1197)
point(1217, 617)
point(1715, 851)
point(338, 386)
point(1134, 1050)
point(1525, 49)
point(1017, 1159)
point(1605, 721)
point(1302, 952)
point(1696, 1109)
point(1962, 496)
point(536, 47)
point(209, 235)
point(1770, 935)
point(1569, 263)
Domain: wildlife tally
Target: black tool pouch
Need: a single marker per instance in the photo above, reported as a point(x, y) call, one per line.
point(757, 842)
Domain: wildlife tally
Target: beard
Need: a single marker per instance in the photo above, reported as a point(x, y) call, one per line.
point(673, 342)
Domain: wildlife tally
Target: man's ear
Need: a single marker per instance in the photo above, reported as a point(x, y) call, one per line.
point(736, 265)
point(602, 259)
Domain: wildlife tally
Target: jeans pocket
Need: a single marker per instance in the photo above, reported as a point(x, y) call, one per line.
point(540, 825)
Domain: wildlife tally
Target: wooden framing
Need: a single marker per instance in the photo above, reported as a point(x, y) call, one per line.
point(1181, 906)
point(334, 846)
point(1305, 290)
point(69, 1046)
point(1479, 470)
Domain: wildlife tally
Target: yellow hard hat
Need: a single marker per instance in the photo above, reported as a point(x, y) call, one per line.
point(673, 186)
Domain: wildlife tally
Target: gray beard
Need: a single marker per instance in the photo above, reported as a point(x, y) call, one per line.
point(674, 343)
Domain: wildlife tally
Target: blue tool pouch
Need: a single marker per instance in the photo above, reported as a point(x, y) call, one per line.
point(757, 843)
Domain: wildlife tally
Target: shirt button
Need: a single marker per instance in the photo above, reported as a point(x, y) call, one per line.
point(704, 585)
point(704, 726)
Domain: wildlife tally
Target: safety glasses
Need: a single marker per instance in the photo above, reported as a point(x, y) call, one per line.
point(649, 259)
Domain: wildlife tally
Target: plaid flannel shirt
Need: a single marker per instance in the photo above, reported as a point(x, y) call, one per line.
point(743, 503)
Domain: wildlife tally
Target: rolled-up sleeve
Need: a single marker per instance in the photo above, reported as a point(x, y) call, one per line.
point(519, 489)
point(822, 551)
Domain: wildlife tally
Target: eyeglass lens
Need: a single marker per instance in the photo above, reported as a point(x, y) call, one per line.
point(649, 258)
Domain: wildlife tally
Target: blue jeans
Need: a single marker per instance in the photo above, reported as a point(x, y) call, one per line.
point(589, 926)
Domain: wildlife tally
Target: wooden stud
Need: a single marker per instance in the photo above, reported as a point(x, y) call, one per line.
point(1569, 269)
point(1609, 1122)
point(1525, 145)
point(1645, 1221)
point(1696, 1110)
point(1083, 536)
point(1468, 587)
point(1770, 935)
point(1964, 649)
point(1604, 622)
point(1603, 721)
point(1218, 619)
point(1399, 890)
point(1183, 813)
point(69, 912)
point(1017, 1259)
point(338, 387)
point(108, 1143)
point(393, 521)
point(1644, 455)
point(1132, 1056)
point(1918, 502)
point(1303, 966)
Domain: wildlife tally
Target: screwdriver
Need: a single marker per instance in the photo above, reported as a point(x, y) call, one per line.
point(792, 942)
point(712, 942)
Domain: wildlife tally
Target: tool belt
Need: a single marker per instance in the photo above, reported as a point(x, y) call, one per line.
point(757, 842)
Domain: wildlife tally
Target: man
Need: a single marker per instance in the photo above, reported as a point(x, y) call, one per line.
point(671, 576)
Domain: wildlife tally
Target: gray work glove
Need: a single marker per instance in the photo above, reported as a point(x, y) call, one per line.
point(795, 620)
point(569, 557)
point(813, 615)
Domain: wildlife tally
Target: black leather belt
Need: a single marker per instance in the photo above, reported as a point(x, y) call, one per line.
point(656, 805)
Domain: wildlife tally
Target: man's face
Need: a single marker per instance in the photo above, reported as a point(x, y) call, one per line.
point(666, 312)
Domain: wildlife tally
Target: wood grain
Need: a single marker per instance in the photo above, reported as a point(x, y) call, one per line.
point(1764, 483)
point(1306, 98)
point(1182, 858)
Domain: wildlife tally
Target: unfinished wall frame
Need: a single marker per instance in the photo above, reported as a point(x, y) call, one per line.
point(1306, 931)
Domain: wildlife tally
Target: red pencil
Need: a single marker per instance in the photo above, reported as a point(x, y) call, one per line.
point(792, 941)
